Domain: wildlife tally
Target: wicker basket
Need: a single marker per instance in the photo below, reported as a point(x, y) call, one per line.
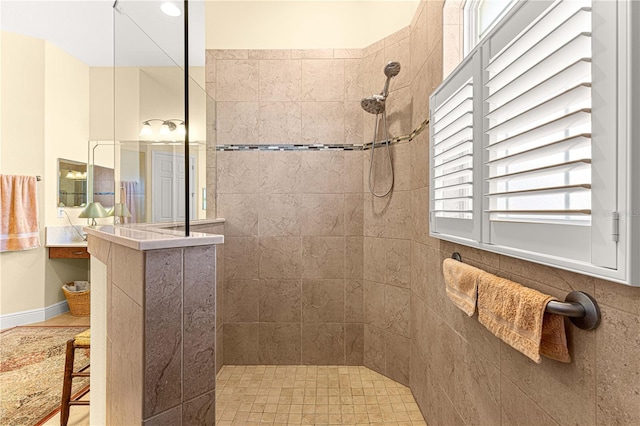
point(79, 302)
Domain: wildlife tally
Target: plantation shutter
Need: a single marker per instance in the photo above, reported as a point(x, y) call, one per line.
point(454, 134)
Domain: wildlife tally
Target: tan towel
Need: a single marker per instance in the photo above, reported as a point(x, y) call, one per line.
point(462, 284)
point(554, 338)
point(516, 315)
point(18, 213)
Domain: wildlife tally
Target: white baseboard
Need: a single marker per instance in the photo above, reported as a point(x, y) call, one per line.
point(33, 315)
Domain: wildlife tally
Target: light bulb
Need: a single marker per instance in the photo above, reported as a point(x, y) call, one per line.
point(170, 9)
point(146, 129)
point(164, 129)
point(182, 130)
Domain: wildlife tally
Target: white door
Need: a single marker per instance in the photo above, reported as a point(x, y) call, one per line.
point(168, 192)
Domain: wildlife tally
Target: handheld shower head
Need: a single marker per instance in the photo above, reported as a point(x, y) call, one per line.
point(373, 104)
point(391, 70)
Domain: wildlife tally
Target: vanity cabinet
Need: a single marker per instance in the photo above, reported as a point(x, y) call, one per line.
point(68, 253)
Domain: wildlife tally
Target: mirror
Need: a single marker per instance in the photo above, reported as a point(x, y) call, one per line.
point(72, 183)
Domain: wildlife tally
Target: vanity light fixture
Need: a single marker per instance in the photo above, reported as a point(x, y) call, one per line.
point(170, 9)
point(166, 128)
point(92, 211)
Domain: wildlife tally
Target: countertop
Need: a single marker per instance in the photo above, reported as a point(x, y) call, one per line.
point(149, 237)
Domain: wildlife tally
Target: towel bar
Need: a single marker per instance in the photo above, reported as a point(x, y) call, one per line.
point(582, 309)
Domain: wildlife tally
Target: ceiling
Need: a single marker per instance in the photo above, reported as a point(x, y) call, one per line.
point(144, 36)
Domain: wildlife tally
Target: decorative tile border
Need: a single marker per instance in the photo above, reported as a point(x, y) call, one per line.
point(322, 147)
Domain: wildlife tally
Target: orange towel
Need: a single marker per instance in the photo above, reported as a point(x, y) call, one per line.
point(516, 314)
point(18, 213)
point(462, 284)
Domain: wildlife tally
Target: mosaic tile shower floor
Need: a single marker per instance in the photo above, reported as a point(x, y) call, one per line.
point(312, 395)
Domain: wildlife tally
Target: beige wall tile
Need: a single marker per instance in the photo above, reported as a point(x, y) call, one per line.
point(477, 396)
point(401, 157)
point(321, 171)
point(353, 214)
point(374, 349)
point(323, 80)
point(518, 407)
point(373, 48)
point(622, 297)
point(400, 51)
point(270, 54)
point(419, 46)
point(240, 344)
point(240, 255)
point(237, 80)
point(323, 122)
point(323, 301)
point(200, 410)
point(374, 302)
point(397, 218)
point(323, 257)
point(354, 301)
point(617, 368)
point(434, 27)
point(280, 343)
point(279, 123)
point(163, 359)
point(128, 272)
point(396, 310)
point(420, 161)
point(279, 215)
point(420, 215)
point(354, 344)
point(280, 80)
point(398, 263)
point(353, 89)
point(354, 257)
point(373, 72)
point(280, 172)
point(210, 68)
point(374, 259)
point(230, 53)
point(352, 123)
point(238, 172)
point(312, 53)
point(126, 358)
point(237, 123)
point(241, 300)
point(347, 53)
point(281, 257)
point(323, 344)
point(397, 350)
point(240, 212)
point(280, 301)
point(323, 214)
point(399, 113)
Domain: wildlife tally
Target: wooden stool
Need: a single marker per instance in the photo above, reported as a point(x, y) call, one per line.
point(80, 341)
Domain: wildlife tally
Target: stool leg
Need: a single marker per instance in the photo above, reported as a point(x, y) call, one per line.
point(66, 385)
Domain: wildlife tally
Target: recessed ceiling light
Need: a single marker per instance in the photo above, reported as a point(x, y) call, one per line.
point(170, 9)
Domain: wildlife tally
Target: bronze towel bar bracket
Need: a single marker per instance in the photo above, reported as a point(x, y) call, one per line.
point(581, 308)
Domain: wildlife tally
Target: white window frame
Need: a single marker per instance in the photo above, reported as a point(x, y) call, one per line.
point(614, 177)
point(471, 11)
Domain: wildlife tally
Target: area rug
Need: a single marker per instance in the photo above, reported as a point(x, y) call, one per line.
point(31, 372)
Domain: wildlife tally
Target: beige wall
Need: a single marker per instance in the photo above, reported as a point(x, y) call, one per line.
point(23, 68)
point(44, 117)
point(303, 24)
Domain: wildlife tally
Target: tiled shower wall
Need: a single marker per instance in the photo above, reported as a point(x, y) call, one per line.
point(458, 372)
point(293, 232)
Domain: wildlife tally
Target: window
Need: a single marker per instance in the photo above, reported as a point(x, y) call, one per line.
point(529, 147)
point(481, 16)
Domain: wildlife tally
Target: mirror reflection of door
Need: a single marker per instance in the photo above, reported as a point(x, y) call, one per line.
point(168, 175)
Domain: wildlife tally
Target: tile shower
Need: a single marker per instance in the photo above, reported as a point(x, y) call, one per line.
point(317, 271)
